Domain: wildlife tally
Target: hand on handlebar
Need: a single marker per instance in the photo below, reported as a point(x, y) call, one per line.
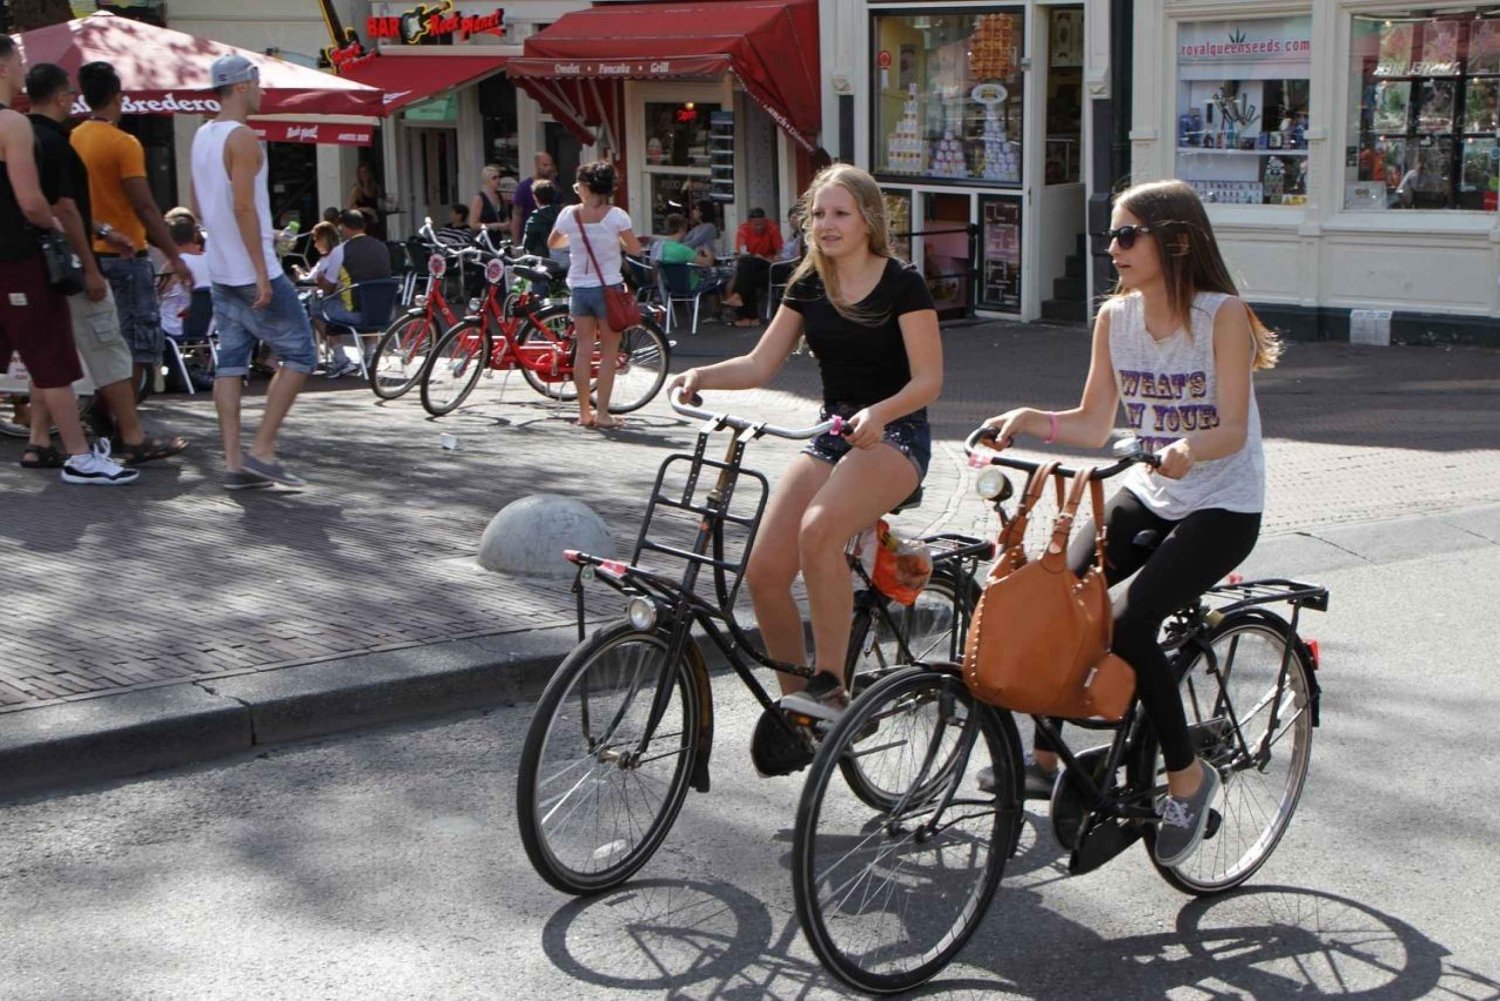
point(865, 429)
point(1003, 428)
point(1175, 461)
point(687, 384)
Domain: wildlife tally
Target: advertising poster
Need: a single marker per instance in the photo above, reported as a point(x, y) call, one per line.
point(1000, 253)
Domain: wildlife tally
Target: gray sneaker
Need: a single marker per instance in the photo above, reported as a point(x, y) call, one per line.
point(272, 471)
point(823, 698)
point(243, 479)
point(1184, 820)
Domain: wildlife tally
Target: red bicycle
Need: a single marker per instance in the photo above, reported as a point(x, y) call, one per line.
point(402, 352)
point(523, 330)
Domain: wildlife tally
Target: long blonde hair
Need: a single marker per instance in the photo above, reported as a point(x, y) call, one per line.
point(871, 203)
point(1189, 255)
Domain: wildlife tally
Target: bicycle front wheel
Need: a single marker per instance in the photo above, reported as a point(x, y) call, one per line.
point(640, 367)
point(887, 895)
point(401, 354)
point(1257, 731)
point(457, 362)
point(556, 350)
point(597, 792)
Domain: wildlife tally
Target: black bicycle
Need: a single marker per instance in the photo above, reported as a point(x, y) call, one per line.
point(625, 727)
point(888, 893)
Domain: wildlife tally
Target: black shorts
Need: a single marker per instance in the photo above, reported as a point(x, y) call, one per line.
point(910, 435)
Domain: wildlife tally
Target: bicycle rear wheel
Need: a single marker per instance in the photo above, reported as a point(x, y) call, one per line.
point(559, 324)
point(401, 355)
point(640, 367)
point(1259, 742)
point(887, 896)
point(457, 362)
point(592, 805)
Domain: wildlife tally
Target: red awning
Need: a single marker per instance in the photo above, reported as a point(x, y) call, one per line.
point(165, 72)
point(407, 79)
point(770, 46)
point(324, 132)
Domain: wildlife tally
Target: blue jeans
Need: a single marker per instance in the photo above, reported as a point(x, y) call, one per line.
point(283, 325)
point(588, 300)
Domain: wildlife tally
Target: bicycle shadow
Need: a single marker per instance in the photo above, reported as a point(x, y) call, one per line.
point(714, 940)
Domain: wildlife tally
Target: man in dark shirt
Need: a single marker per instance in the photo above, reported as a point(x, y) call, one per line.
point(96, 322)
point(360, 258)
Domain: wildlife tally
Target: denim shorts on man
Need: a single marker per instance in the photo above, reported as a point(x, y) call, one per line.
point(283, 326)
point(96, 333)
point(910, 435)
point(133, 281)
point(588, 300)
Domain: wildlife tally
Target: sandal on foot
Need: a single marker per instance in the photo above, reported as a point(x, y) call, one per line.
point(151, 449)
point(42, 457)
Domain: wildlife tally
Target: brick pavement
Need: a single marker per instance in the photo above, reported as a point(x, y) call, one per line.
point(174, 580)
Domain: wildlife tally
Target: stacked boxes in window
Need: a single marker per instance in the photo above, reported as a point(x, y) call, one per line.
point(904, 151)
point(992, 48)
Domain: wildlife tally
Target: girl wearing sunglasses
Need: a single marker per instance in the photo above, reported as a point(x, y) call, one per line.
point(1176, 347)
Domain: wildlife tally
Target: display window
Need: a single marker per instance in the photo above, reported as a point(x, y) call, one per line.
point(497, 110)
point(1424, 111)
point(679, 156)
point(948, 95)
point(898, 222)
point(1242, 108)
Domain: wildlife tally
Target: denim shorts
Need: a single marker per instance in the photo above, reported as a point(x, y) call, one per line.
point(910, 435)
point(283, 326)
point(588, 300)
point(133, 281)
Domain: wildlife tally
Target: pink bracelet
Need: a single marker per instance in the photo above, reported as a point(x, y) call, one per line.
point(1052, 433)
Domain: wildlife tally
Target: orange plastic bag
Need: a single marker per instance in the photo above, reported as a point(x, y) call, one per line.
point(899, 568)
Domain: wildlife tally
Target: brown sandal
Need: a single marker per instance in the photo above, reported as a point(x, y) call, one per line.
point(42, 457)
point(150, 449)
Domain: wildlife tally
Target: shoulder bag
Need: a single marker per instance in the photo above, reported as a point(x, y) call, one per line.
point(64, 269)
point(621, 311)
point(1039, 642)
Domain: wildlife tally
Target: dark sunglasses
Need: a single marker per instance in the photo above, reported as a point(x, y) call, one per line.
point(1125, 235)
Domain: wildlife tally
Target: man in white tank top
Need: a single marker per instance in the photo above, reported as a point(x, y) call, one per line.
point(253, 299)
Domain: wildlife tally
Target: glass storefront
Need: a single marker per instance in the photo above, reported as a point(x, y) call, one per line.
point(1242, 109)
point(497, 111)
point(1424, 111)
point(948, 95)
point(678, 156)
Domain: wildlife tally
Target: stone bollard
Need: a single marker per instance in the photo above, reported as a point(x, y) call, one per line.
point(529, 535)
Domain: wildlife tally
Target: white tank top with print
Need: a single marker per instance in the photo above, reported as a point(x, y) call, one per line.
point(1168, 390)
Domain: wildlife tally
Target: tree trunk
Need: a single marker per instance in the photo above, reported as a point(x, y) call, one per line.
point(28, 14)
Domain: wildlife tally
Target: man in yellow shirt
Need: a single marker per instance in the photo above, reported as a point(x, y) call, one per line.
point(125, 214)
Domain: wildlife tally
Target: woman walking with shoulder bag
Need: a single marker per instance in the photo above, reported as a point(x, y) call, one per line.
point(594, 231)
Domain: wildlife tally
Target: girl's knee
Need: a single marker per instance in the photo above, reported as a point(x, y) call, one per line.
point(770, 573)
point(819, 536)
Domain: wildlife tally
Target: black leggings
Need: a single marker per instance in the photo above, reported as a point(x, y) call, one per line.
point(1194, 555)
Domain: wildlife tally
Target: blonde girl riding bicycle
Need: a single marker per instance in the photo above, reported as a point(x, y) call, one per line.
point(869, 319)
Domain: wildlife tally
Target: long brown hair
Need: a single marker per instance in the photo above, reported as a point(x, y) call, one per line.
point(1189, 255)
point(871, 203)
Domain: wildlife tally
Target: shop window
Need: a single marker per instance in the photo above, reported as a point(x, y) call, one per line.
point(1423, 122)
point(679, 156)
point(948, 96)
point(1242, 109)
point(497, 110)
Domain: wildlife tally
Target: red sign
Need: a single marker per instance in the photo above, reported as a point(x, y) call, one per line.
point(430, 21)
point(883, 59)
point(335, 134)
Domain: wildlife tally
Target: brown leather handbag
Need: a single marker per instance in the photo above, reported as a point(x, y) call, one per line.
point(1039, 641)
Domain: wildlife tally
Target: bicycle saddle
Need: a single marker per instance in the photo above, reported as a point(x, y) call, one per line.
point(531, 273)
point(915, 500)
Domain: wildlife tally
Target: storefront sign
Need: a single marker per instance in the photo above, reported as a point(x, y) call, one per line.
point(429, 22)
point(166, 104)
point(349, 55)
point(883, 59)
point(337, 134)
point(1248, 48)
point(1000, 254)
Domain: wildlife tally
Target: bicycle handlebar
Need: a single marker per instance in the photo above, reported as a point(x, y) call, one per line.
point(1129, 450)
point(835, 425)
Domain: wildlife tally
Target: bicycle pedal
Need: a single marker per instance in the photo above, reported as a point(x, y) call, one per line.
point(1212, 827)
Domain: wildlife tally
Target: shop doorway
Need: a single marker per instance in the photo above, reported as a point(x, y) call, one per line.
point(432, 165)
point(948, 252)
point(1062, 205)
point(566, 152)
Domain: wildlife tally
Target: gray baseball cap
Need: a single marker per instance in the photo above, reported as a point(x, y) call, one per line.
point(231, 69)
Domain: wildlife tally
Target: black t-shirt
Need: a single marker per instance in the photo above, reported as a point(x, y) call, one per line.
point(17, 236)
point(63, 173)
point(861, 365)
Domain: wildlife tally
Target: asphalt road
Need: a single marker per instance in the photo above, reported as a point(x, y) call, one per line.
point(386, 864)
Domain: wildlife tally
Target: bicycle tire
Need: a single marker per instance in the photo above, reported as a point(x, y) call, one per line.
point(546, 316)
point(641, 367)
point(1257, 801)
point(930, 636)
point(565, 703)
point(407, 342)
point(458, 359)
point(907, 940)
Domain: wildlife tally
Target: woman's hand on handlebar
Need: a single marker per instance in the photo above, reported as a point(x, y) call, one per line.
point(1022, 420)
point(688, 383)
point(865, 429)
point(1175, 461)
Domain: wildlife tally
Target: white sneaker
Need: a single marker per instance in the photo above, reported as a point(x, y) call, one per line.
point(96, 467)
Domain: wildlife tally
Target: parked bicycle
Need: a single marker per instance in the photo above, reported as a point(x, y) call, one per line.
point(625, 727)
point(522, 330)
point(888, 892)
point(402, 352)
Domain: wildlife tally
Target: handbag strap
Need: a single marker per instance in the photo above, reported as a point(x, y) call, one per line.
point(1015, 529)
point(1057, 548)
point(583, 231)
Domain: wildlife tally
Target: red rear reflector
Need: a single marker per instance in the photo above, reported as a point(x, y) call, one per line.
point(614, 567)
point(1317, 658)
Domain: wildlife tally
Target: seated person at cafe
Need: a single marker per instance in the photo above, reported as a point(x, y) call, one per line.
point(704, 234)
point(791, 249)
point(670, 248)
point(757, 243)
point(457, 231)
point(360, 258)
